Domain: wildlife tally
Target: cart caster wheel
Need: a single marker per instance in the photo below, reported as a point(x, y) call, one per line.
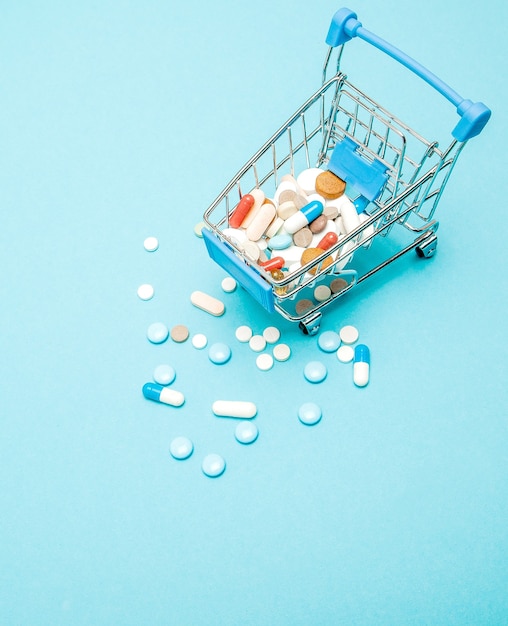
point(427, 248)
point(310, 326)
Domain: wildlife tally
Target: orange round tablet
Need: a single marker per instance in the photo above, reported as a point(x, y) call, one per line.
point(329, 185)
point(310, 254)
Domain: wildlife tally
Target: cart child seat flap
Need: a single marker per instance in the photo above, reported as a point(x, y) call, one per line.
point(248, 278)
point(367, 177)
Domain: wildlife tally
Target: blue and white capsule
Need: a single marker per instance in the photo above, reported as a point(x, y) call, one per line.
point(164, 395)
point(303, 217)
point(361, 365)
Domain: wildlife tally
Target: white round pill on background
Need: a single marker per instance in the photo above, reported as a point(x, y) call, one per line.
point(257, 343)
point(199, 341)
point(264, 362)
point(228, 284)
point(309, 413)
point(271, 334)
point(281, 352)
point(151, 244)
point(181, 448)
point(315, 371)
point(198, 229)
point(243, 333)
point(246, 432)
point(157, 332)
point(164, 374)
point(345, 354)
point(213, 465)
point(348, 334)
point(145, 292)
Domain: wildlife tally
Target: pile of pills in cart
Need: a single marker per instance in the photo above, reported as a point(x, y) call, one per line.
point(306, 216)
point(267, 349)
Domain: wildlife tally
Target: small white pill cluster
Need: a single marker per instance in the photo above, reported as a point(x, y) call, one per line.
point(306, 216)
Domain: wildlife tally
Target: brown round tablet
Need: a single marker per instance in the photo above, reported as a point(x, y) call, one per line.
point(302, 306)
point(330, 186)
point(179, 333)
point(338, 284)
point(318, 225)
point(302, 237)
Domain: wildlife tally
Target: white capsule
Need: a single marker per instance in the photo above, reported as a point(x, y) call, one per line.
point(349, 214)
point(361, 367)
point(234, 408)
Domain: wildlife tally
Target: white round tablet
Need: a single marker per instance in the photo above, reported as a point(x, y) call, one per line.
point(271, 334)
point(257, 343)
point(145, 292)
point(228, 284)
point(281, 352)
point(151, 244)
point(345, 354)
point(243, 333)
point(322, 293)
point(199, 341)
point(264, 362)
point(348, 334)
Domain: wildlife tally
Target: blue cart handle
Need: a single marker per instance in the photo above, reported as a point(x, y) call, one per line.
point(473, 115)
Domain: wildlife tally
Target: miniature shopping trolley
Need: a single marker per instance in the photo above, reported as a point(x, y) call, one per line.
point(394, 177)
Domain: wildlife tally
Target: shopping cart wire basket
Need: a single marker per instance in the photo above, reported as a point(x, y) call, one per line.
point(394, 178)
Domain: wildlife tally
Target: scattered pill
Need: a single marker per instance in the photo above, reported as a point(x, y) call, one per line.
point(198, 229)
point(338, 284)
point(251, 250)
point(219, 353)
point(345, 354)
point(257, 343)
point(281, 352)
point(164, 395)
point(348, 334)
point(264, 362)
point(286, 209)
point(234, 408)
point(246, 432)
point(145, 292)
point(361, 367)
point(302, 306)
point(241, 210)
point(328, 341)
point(181, 448)
point(243, 333)
point(179, 333)
point(309, 413)
point(329, 240)
point(151, 244)
point(213, 465)
point(275, 263)
point(280, 241)
point(207, 303)
point(318, 225)
point(157, 332)
point(306, 179)
point(164, 374)
point(199, 341)
point(329, 185)
point(303, 217)
point(303, 237)
point(315, 371)
point(322, 293)
point(260, 222)
point(228, 284)
point(271, 334)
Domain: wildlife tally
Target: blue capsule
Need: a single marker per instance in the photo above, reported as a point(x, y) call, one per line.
point(361, 365)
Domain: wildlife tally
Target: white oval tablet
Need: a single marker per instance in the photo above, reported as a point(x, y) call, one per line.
point(207, 303)
point(261, 221)
point(234, 408)
point(151, 244)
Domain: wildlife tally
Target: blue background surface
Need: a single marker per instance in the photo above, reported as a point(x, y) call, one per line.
point(121, 120)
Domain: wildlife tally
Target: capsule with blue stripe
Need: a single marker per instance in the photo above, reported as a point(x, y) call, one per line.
point(164, 395)
point(361, 365)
